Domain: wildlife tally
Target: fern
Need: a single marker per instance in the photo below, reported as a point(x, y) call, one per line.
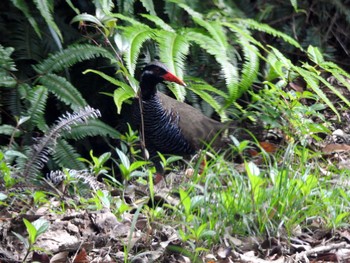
point(46, 9)
point(37, 98)
point(229, 70)
point(70, 56)
point(46, 145)
point(136, 36)
point(173, 49)
point(93, 128)
point(158, 22)
point(250, 66)
point(252, 24)
point(7, 62)
point(22, 5)
point(148, 4)
point(63, 89)
point(66, 156)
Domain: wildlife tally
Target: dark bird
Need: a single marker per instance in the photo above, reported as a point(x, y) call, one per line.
point(171, 126)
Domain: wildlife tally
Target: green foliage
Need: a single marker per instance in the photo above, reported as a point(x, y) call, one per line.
point(38, 155)
point(34, 230)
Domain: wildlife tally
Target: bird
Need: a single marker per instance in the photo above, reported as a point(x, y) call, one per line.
point(170, 126)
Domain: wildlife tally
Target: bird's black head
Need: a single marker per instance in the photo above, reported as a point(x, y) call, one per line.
point(154, 73)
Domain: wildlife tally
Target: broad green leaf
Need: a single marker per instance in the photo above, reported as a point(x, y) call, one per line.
point(32, 231)
point(87, 18)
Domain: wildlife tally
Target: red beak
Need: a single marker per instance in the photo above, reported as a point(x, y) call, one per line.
point(172, 78)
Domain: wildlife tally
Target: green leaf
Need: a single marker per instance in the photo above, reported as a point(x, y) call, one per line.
point(66, 156)
point(32, 231)
point(123, 158)
point(173, 49)
point(310, 79)
point(148, 4)
point(41, 225)
point(315, 55)
point(46, 9)
point(87, 18)
point(120, 96)
point(159, 22)
point(22, 5)
point(91, 128)
point(68, 57)
point(136, 36)
point(63, 90)
point(112, 80)
point(185, 201)
point(37, 98)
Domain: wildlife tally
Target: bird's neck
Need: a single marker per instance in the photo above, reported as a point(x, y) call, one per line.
point(148, 87)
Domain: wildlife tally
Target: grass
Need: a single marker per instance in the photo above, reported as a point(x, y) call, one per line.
point(271, 194)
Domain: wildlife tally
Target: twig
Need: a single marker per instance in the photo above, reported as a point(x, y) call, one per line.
point(320, 249)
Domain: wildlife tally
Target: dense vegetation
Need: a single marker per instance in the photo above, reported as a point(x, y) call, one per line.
point(69, 70)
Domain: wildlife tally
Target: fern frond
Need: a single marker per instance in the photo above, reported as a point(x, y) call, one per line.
point(46, 9)
point(173, 49)
point(7, 62)
point(92, 128)
point(63, 90)
point(132, 21)
point(136, 36)
point(22, 5)
point(65, 156)
point(6, 80)
point(37, 98)
point(310, 79)
point(250, 66)
point(229, 70)
point(70, 56)
point(250, 23)
point(200, 90)
point(148, 4)
point(334, 68)
point(45, 145)
point(159, 22)
point(332, 88)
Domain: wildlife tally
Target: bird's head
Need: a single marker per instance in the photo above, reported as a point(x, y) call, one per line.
point(156, 72)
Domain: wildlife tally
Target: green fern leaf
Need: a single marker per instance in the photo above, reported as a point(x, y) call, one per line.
point(66, 156)
point(250, 23)
point(22, 5)
point(63, 90)
point(200, 90)
point(136, 36)
point(70, 56)
point(310, 79)
point(334, 68)
point(148, 4)
point(229, 70)
point(173, 49)
point(7, 62)
point(128, 19)
point(250, 66)
point(6, 80)
point(159, 22)
point(332, 88)
point(37, 98)
point(45, 8)
point(91, 128)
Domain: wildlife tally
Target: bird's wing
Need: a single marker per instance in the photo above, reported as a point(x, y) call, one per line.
point(195, 126)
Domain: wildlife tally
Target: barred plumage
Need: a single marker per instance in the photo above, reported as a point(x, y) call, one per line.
point(170, 126)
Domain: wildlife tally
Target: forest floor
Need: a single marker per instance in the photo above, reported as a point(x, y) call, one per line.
point(80, 233)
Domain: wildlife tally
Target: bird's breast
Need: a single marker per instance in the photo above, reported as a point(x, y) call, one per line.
point(161, 129)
